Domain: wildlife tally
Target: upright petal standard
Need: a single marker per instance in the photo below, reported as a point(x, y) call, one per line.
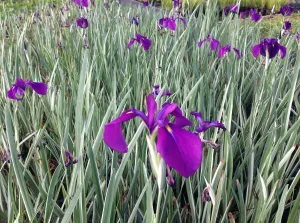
point(286, 10)
point(82, 22)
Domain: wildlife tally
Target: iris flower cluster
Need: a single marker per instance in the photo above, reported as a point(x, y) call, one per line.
point(180, 148)
point(214, 44)
point(255, 16)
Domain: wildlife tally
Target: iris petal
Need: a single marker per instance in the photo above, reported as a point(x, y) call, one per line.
point(38, 87)
point(181, 149)
point(151, 108)
point(256, 50)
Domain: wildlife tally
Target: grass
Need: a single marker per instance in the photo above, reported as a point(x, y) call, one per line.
point(254, 177)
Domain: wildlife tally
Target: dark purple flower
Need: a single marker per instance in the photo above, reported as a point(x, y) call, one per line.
point(70, 159)
point(255, 16)
point(297, 36)
point(135, 21)
point(84, 3)
point(156, 91)
point(205, 195)
point(213, 42)
point(287, 25)
point(19, 87)
point(286, 10)
point(82, 22)
point(170, 22)
point(6, 156)
point(270, 46)
point(234, 8)
point(106, 5)
point(204, 125)
point(145, 3)
point(226, 49)
point(143, 40)
point(177, 4)
point(180, 148)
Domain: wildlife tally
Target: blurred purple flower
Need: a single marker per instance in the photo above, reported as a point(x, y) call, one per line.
point(213, 42)
point(234, 8)
point(204, 125)
point(180, 148)
point(177, 4)
point(156, 91)
point(106, 5)
point(170, 23)
point(143, 40)
point(297, 36)
point(286, 10)
point(255, 16)
point(84, 3)
point(270, 46)
point(70, 159)
point(135, 21)
point(19, 87)
point(145, 3)
point(287, 25)
point(6, 156)
point(82, 22)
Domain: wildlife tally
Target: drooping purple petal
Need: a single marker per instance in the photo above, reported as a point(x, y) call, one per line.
point(254, 15)
point(135, 21)
point(181, 149)
point(113, 136)
point(144, 41)
point(238, 53)
point(244, 14)
point(214, 44)
point(84, 3)
point(204, 125)
point(145, 3)
point(282, 50)
point(256, 50)
point(11, 94)
point(224, 50)
point(182, 20)
point(39, 87)
point(131, 42)
point(70, 159)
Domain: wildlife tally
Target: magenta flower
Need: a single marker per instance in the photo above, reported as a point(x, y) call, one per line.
point(255, 16)
point(234, 8)
point(270, 46)
point(145, 3)
point(180, 148)
point(226, 49)
point(170, 22)
point(204, 125)
point(213, 42)
point(177, 3)
point(19, 87)
point(286, 10)
point(143, 40)
point(82, 22)
point(84, 3)
point(156, 91)
point(70, 159)
point(287, 25)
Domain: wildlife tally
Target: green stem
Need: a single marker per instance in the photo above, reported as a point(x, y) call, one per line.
point(157, 214)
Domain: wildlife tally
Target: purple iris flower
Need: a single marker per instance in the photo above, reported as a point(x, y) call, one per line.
point(170, 22)
point(70, 159)
point(6, 156)
point(143, 40)
point(204, 125)
point(286, 10)
point(234, 8)
point(213, 42)
point(19, 87)
point(255, 16)
point(297, 36)
point(145, 3)
point(135, 21)
point(177, 3)
point(82, 22)
point(180, 148)
point(106, 5)
point(287, 25)
point(156, 91)
point(84, 3)
point(268, 45)
point(226, 49)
